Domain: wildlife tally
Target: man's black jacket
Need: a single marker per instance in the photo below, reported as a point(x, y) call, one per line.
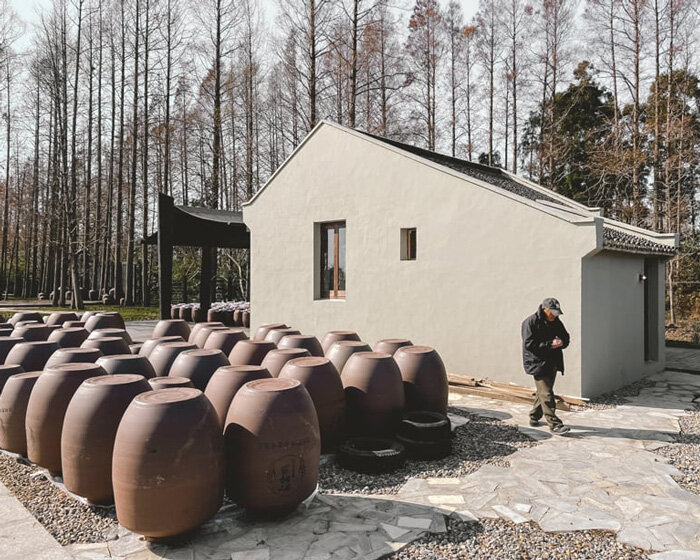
point(538, 334)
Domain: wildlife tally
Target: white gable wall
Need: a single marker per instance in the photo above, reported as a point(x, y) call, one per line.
point(485, 260)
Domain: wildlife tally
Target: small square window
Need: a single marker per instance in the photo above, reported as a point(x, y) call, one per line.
point(408, 244)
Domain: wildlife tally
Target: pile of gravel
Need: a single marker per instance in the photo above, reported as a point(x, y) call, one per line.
point(65, 518)
point(684, 454)
point(496, 538)
point(478, 442)
point(617, 397)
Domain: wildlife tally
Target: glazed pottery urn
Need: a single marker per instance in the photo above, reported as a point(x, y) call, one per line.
point(186, 314)
point(89, 428)
point(47, 408)
point(275, 335)
point(336, 336)
point(60, 317)
point(198, 365)
point(245, 319)
point(228, 318)
point(71, 337)
point(203, 334)
point(307, 341)
point(238, 318)
point(172, 327)
point(7, 343)
point(322, 381)
point(25, 316)
point(250, 352)
point(104, 321)
point(157, 383)
point(198, 315)
point(32, 332)
point(127, 363)
point(424, 378)
point(374, 394)
point(72, 324)
point(164, 355)
point(174, 312)
point(150, 344)
point(32, 356)
point(74, 356)
point(6, 371)
point(108, 345)
point(273, 446)
point(391, 345)
point(13, 411)
point(86, 315)
point(196, 328)
point(168, 465)
point(102, 333)
point(225, 340)
point(339, 352)
point(226, 382)
point(264, 329)
point(275, 360)
point(216, 315)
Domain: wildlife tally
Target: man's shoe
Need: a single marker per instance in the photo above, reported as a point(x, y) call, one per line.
point(534, 423)
point(560, 430)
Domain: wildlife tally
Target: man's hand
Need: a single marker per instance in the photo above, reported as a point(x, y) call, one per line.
point(557, 343)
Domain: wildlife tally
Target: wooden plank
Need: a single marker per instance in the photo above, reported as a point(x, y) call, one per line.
point(492, 393)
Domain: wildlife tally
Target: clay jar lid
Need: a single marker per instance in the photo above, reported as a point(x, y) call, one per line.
point(275, 335)
point(340, 352)
point(150, 344)
point(73, 355)
point(307, 341)
point(262, 331)
point(336, 336)
point(391, 345)
point(275, 360)
point(158, 383)
point(127, 364)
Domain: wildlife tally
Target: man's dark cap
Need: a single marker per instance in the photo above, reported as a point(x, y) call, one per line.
point(553, 305)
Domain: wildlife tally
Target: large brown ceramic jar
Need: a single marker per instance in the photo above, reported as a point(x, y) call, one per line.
point(224, 340)
point(216, 315)
point(173, 327)
point(238, 318)
point(198, 315)
point(164, 355)
point(424, 378)
point(73, 324)
point(32, 356)
point(60, 317)
point(6, 371)
point(108, 345)
point(337, 336)
point(203, 334)
point(74, 356)
point(168, 463)
point(5, 331)
point(323, 383)
point(69, 337)
point(47, 408)
point(86, 315)
point(275, 335)
point(169, 382)
point(89, 428)
point(127, 363)
point(174, 312)
point(25, 316)
point(103, 333)
point(6, 344)
point(339, 352)
point(196, 328)
point(104, 321)
point(226, 382)
point(198, 365)
point(275, 360)
point(250, 352)
point(273, 446)
point(32, 332)
point(150, 344)
point(135, 348)
point(391, 345)
point(186, 314)
point(262, 331)
point(307, 341)
point(374, 394)
point(228, 318)
point(13, 411)
point(245, 319)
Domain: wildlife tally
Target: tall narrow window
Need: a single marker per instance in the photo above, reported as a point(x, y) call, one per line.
point(408, 244)
point(333, 260)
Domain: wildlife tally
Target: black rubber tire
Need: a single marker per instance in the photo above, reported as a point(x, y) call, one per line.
point(425, 426)
point(426, 450)
point(371, 455)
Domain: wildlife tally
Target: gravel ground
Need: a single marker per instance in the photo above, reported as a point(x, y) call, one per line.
point(685, 453)
point(476, 443)
point(503, 540)
point(617, 397)
point(66, 519)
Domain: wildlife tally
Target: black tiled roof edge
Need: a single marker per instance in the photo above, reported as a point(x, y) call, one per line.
point(214, 214)
point(623, 241)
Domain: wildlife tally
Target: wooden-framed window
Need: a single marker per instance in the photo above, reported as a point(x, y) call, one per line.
point(408, 244)
point(332, 260)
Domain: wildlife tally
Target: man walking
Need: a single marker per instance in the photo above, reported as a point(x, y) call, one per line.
point(544, 338)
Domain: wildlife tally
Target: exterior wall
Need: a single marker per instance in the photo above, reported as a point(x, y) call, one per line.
point(485, 261)
point(613, 322)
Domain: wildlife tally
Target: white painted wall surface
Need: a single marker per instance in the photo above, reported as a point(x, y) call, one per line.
point(485, 260)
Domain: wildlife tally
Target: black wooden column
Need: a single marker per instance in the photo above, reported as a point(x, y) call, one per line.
point(208, 259)
point(165, 254)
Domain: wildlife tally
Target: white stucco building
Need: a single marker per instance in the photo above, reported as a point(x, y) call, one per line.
point(362, 233)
